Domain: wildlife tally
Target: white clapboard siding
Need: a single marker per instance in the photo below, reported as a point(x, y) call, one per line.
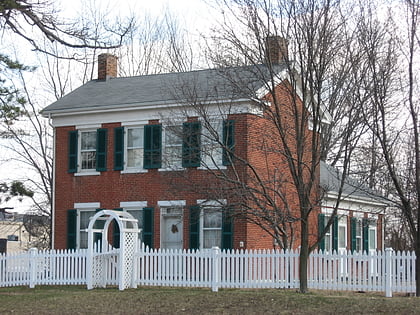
point(385, 271)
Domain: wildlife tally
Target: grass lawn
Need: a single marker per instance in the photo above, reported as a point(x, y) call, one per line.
point(160, 300)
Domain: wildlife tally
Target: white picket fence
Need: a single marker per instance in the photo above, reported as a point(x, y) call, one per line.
point(386, 271)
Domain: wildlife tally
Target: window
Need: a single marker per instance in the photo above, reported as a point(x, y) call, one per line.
point(327, 238)
point(335, 237)
point(88, 150)
point(342, 233)
point(12, 238)
point(173, 147)
point(211, 149)
point(78, 222)
point(135, 140)
point(211, 228)
point(372, 238)
point(84, 217)
point(358, 236)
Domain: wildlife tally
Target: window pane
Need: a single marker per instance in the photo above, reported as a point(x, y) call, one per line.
point(212, 151)
point(173, 146)
point(135, 138)
point(372, 239)
point(88, 141)
point(327, 239)
point(173, 135)
point(212, 219)
point(212, 238)
point(89, 160)
point(341, 236)
point(137, 214)
point(134, 157)
point(84, 223)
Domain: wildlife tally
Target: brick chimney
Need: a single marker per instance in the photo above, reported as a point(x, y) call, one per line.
point(277, 50)
point(107, 66)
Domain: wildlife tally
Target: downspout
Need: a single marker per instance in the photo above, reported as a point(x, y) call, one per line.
point(53, 188)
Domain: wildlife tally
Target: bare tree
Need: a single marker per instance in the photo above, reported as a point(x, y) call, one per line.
point(394, 110)
point(18, 15)
point(322, 71)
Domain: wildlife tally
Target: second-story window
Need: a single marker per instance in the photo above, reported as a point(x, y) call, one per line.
point(173, 147)
point(88, 150)
point(135, 137)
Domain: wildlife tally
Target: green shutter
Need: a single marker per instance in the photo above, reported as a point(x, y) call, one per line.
point(335, 234)
point(72, 151)
point(321, 227)
point(227, 231)
point(148, 220)
point(116, 232)
point(152, 146)
point(195, 227)
point(365, 225)
point(353, 223)
point(228, 141)
point(119, 148)
point(101, 148)
point(191, 144)
point(71, 228)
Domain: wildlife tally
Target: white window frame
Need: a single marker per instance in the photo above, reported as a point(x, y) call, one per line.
point(81, 151)
point(83, 207)
point(131, 206)
point(374, 229)
point(342, 223)
point(169, 162)
point(208, 141)
point(82, 129)
point(328, 238)
point(132, 169)
point(359, 236)
point(209, 204)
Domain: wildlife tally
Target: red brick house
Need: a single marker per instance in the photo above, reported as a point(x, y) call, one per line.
point(121, 143)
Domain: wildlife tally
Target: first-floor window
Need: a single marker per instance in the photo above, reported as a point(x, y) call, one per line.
point(88, 150)
point(137, 214)
point(372, 237)
point(342, 233)
point(211, 230)
point(84, 217)
point(358, 235)
point(328, 238)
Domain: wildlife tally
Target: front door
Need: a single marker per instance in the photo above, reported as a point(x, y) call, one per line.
point(172, 231)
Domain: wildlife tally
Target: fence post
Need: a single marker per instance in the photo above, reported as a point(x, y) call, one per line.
point(388, 272)
point(32, 267)
point(216, 268)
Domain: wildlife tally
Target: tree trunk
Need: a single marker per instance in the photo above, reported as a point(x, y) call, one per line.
point(303, 258)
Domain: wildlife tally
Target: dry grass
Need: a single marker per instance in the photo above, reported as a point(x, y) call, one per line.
point(159, 300)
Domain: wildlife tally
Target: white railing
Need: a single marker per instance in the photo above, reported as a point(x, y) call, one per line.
point(386, 271)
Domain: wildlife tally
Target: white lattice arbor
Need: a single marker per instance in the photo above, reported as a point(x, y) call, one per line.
point(103, 258)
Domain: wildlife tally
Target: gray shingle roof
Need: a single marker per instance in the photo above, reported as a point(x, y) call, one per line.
point(330, 181)
point(221, 84)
